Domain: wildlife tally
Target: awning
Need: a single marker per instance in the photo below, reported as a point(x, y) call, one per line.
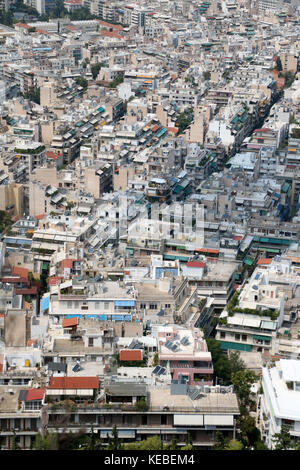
point(117, 317)
point(66, 284)
point(102, 317)
point(124, 303)
point(262, 338)
point(45, 302)
point(239, 346)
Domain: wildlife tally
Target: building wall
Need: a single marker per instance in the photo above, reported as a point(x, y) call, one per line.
point(12, 194)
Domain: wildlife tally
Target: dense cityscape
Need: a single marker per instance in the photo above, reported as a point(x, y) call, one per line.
point(149, 225)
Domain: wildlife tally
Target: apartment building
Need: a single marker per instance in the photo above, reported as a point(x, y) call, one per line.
point(279, 402)
point(169, 411)
point(185, 354)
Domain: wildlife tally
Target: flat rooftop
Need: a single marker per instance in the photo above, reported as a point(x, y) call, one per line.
point(87, 369)
point(208, 403)
point(67, 346)
point(219, 271)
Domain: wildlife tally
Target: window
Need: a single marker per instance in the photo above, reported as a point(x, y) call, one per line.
point(237, 337)
point(153, 306)
point(106, 305)
point(163, 420)
point(143, 306)
point(91, 342)
point(144, 419)
point(222, 334)
point(167, 305)
point(244, 337)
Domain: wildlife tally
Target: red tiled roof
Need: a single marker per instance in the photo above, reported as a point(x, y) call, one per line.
point(195, 264)
point(54, 280)
point(155, 128)
point(69, 322)
point(207, 250)
point(74, 383)
point(131, 355)
point(35, 394)
point(23, 272)
point(71, 28)
point(109, 25)
point(111, 34)
point(264, 261)
point(27, 291)
point(23, 25)
point(174, 130)
point(237, 237)
point(40, 216)
point(52, 155)
point(67, 263)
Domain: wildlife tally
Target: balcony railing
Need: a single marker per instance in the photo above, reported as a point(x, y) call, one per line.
point(117, 408)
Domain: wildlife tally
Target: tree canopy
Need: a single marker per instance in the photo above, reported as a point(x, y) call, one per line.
point(282, 440)
point(224, 365)
point(242, 381)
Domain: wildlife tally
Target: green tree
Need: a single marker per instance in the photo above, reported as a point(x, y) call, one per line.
point(93, 442)
point(151, 443)
point(81, 81)
point(221, 442)
point(189, 443)
point(14, 445)
point(117, 81)
point(242, 381)
point(72, 440)
point(141, 404)
point(249, 432)
point(206, 75)
point(5, 221)
point(259, 445)
point(6, 18)
point(282, 440)
point(58, 11)
point(96, 68)
point(85, 62)
point(173, 445)
point(235, 361)
point(184, 119)
point(82, 14)
point(114, 442)
point(222, 368)
point(47, 442)
point(156, 359)
point(33, 94)
point(278, 64)
point(234, 445)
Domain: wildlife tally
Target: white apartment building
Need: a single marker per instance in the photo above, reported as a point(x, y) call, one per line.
point(280, 401)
